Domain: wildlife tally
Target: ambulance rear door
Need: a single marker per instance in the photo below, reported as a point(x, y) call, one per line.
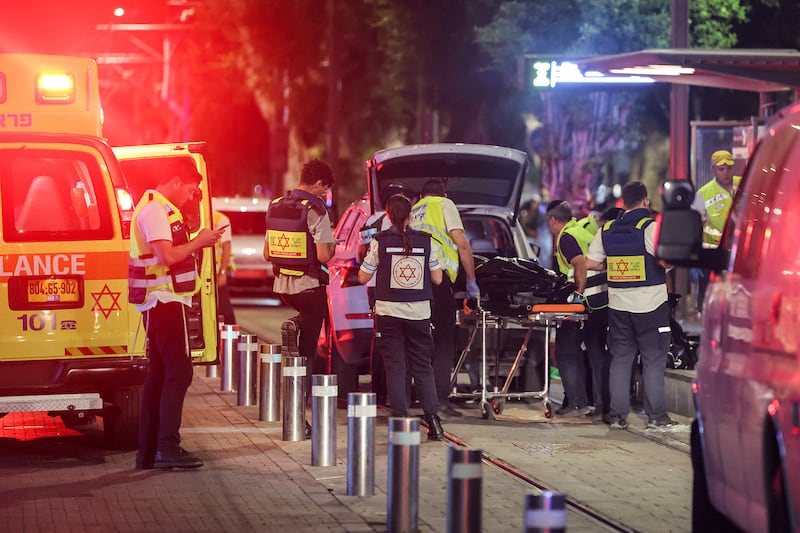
point(141, 166)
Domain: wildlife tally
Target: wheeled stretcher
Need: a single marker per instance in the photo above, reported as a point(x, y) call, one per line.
point(541, 316)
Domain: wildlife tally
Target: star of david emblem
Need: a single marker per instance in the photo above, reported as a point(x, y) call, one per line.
point(283, 241)
point(408, 272)
point(106, 301)
point(622, 266)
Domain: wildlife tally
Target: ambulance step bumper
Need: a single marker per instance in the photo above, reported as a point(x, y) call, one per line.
point(52, 402)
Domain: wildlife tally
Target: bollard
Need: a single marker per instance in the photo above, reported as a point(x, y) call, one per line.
point(293, 370)
point(402, 498)
point(464, 490)
point(361, 412)
point(248, 370)
point(212, 371)
point(269, 404)
point(545, 512)
point(228, 335)
point(324, 391)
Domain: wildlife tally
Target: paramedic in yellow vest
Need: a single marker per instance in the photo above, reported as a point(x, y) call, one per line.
point(224, 263)
point(162, 279)
point(437, 215)
point(713, 201)
point(571, 242)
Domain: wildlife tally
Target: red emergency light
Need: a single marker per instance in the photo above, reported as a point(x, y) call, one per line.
point(55, 88)
point(2, 88)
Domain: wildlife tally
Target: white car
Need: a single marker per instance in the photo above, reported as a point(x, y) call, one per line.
point(485, 182)
point(248, 216)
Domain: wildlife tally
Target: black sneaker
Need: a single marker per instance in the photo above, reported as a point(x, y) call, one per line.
point(144, 461)
point(618, 423)
point(572, 412)
point(665, 423)
point(290, 330)
point(179, 458)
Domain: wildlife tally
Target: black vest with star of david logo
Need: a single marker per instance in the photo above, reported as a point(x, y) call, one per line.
point(628, 263)
point(400, 277)
point(292, 250)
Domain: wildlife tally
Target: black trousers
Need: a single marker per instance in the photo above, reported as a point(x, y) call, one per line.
point(168, 378)
point(224, 304)
point(403, 345)
point(443, 319)
point(570, 362)
point(595, 337)
point(312, 305)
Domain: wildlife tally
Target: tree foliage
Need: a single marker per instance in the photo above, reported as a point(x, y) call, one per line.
point(581, 130)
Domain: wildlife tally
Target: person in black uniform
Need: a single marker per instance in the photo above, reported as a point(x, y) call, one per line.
point(406, 266)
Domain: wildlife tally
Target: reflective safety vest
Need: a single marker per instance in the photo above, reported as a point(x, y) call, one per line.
point(589, 223)
point(596, 290)
point(401, 277)
point(145, 273)
point(717, 202)
point(291, 245)
point(216, 218)
point(427, 216)
point(628, 263)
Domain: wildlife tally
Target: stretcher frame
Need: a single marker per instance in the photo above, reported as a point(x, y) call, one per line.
point(542, 316)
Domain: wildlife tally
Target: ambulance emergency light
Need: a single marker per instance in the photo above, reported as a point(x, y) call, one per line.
point(55, 88)
point(2, 88)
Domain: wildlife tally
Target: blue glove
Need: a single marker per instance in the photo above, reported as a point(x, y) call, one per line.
point(576, 298)
point(472, 289)
point(695, 274)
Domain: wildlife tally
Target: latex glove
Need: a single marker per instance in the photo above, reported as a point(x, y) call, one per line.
point(472, 289)
point(576, 298)
point(695, 274)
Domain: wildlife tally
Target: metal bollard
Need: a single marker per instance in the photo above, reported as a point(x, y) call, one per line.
point(293, 370)
point(228, 335)
point(361, 412)
point(324, 391)
point(545, 512)
point(402, 498)
point(464, 490)
point(269, 404)
point(248, 370)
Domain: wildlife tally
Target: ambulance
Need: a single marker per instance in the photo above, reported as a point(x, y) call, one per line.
point(70, 344)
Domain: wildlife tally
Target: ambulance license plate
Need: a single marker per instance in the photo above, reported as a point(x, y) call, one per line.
point(45, 292)
point(53, 290)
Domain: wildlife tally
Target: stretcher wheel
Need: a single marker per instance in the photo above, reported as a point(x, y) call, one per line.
point(497, 406)
point(548, 412)
point(486, 410)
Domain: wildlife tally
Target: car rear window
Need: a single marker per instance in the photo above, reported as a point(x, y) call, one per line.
point(53, 195)
point(247, 222)
point(489, 236)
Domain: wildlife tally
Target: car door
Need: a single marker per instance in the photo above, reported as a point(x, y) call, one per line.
point(732, 402)
point(140, 165)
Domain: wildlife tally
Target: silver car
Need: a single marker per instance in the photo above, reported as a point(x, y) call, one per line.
point(248, 216)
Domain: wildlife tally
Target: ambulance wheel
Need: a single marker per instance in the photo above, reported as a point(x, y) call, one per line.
point(121, 418)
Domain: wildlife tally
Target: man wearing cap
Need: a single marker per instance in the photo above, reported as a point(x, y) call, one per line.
point(713, 201)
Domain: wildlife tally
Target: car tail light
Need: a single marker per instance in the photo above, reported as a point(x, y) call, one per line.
point(350, 276)
point(125, 206)
point(359, 316)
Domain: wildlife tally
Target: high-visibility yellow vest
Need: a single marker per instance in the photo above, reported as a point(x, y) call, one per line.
point(717, 202)
point(427, 216)
point(216, 218)
point(145, 273)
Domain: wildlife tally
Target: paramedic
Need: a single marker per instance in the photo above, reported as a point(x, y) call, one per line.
point(713, 201)
point(638, 315)
point(438, 216)
point(406, 266)
point(299, 242)
point(571, 241)
point(224, 263)
point(162, 280)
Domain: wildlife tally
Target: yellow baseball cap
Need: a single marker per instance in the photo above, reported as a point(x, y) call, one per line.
point(721, 157)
